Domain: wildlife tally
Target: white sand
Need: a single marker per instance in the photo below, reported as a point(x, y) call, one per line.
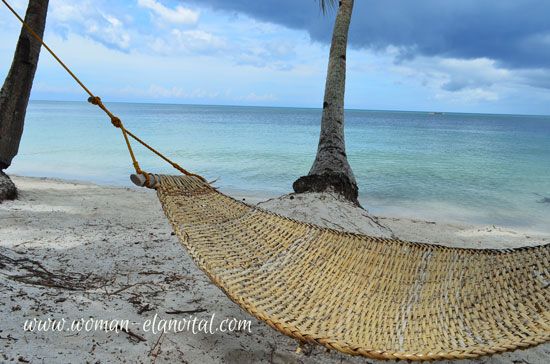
point(114, 246)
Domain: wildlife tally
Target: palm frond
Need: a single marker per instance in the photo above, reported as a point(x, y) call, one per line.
point(327, 4)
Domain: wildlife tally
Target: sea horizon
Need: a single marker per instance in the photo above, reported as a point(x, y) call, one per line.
point(437, 111)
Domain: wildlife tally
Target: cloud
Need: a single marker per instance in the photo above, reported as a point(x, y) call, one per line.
point(155, 91)
point(535, 77)
point(198, 39)
point(109, 31)
point(478, 73)
point(90, 19)
point(173, 32)
point(470, 95)
point(187, 42)
point(467, 51)
point(457, 80)
point(253, 97)
point(482, 74)
point(178, 15)
point(515, 33)
point(405, 57)
point(277, 55)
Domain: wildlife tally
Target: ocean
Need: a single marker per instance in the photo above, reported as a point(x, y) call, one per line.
point(485, 169)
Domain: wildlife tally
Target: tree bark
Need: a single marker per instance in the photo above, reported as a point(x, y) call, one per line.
point(331, 170)
point(15, 93)
point(7, 188)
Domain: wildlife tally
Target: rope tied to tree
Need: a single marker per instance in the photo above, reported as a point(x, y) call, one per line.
point(96, 100)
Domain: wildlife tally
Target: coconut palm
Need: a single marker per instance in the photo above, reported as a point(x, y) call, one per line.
point(15, 93)
point(331, 170)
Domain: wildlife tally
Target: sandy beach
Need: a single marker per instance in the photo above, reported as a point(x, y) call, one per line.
point(76, 250)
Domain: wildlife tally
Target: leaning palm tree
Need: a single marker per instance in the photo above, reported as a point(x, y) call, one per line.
point(331, 170)
point(16, 91)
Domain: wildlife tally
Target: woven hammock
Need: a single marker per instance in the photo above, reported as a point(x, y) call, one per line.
point(362, 295)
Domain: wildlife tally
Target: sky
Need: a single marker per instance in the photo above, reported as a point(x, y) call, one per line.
point(428, 55)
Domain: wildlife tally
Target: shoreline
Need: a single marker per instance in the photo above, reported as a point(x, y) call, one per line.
point(258, 197)
point(109, 253)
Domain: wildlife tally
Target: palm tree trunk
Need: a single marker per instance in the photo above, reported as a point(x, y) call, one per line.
point(16, 90)
point(331, 170)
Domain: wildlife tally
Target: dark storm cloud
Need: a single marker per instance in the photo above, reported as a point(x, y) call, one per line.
point(516, 33)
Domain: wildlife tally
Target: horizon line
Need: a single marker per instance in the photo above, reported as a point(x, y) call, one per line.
point(295, 107)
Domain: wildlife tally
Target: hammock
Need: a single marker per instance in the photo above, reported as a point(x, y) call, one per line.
point(361, 295)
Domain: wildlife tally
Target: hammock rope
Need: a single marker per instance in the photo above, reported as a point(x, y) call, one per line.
point(361, 295)
point(96, 100)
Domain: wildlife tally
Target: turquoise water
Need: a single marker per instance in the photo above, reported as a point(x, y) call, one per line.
point(460, 167)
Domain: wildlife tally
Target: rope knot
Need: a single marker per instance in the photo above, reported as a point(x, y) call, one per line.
point(116, 122)
point(94, 100)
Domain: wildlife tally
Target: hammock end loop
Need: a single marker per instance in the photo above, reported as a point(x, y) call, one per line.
point(144, 179)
